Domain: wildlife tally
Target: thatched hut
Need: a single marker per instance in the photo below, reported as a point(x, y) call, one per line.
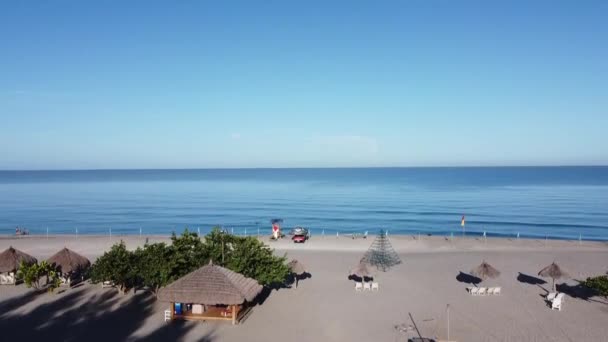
point(70, 264)
point(210, 293)
point(10, 260)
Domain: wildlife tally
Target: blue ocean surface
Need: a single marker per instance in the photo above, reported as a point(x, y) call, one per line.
point(557, 202)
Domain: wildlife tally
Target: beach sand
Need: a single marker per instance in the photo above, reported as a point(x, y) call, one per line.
point(326, 307)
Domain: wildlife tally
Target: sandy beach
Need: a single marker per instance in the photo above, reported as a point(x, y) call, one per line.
point(326, 307)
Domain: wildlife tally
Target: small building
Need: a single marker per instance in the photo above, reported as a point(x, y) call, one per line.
point(211, 293)
point(10, 261)
point(71, 265)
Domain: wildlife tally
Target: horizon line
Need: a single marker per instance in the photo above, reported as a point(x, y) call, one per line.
point(307, 168)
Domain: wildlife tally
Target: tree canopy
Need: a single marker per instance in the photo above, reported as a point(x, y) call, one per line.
point(116, 265)
point(156, 265)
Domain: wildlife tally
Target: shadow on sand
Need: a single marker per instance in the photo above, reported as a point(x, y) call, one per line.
point(467, 278)
point(578, 291)
point(528, 279)
point(78, 316)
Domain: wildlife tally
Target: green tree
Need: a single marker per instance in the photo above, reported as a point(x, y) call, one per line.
point(598, 284)
point(32, 274)
point(116, 265)
point(154, 266)
point(254, 259)
point(187, 253)
point(218, 246)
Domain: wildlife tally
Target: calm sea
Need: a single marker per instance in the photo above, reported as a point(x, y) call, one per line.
point(558, 202)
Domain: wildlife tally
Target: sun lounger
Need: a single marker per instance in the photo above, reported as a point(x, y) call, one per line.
point(490, 291)
point(367, 286)
point(375, 287)
point(482, 291)
point(167, 315)
point(358, 287)
point(551, 296)
point(557, 303)
point(8, 279)
point(473, 291)
point(107, 283)
point(496, 291)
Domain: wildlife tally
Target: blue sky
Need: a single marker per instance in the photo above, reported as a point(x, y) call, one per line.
point(102, 84)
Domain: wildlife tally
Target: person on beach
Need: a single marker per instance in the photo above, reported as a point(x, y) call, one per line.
point(275, 231)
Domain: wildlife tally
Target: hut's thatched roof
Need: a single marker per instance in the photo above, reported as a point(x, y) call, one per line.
point(11, 258)
point(296, 267)
point(211, 285)
point(553, 271)
point(485, 270)
point(361, 270)
point(69, 261)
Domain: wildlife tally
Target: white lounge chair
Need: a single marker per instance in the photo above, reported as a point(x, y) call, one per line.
point(551, 296)
point(490, 291)
point(8, 279)
point(482, 291)
point(167, 315)
point(496, 291)
point(473, 291)
point(358, 287)
point(557, 303)
point(107, 283)
point(367, 286)
point(375, 286)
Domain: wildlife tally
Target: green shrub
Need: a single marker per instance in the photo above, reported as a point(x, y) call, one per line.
point(32, 273)
point(598, 284)
point(116, 265)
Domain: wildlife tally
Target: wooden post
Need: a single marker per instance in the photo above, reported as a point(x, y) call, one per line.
point(172, 310)
point(233, 314)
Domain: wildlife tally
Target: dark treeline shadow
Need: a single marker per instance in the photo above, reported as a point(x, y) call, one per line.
point(102, 317)
point(579, 291)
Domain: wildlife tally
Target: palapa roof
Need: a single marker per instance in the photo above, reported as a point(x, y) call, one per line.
point(69, 261)
point(211, 285)
point(553, 271)
point(485, 270)
point(361, 270)
point(11, 258)
point(296, 267)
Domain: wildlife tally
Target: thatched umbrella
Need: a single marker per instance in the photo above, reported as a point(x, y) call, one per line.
point(484, 271)
point(69, 261)
point(361, 271)
point(297, 268)
point(11, 259)
point(553, 271)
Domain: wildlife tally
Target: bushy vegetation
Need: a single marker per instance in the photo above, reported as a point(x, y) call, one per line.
point(33, 273)
point(598, 284)
point(116, 265)
point(158, 264)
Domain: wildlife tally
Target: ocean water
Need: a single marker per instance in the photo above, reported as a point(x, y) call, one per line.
point(558, 202)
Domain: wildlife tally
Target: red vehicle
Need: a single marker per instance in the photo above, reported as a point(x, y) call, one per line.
point(300, 235)
point(299, 238)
